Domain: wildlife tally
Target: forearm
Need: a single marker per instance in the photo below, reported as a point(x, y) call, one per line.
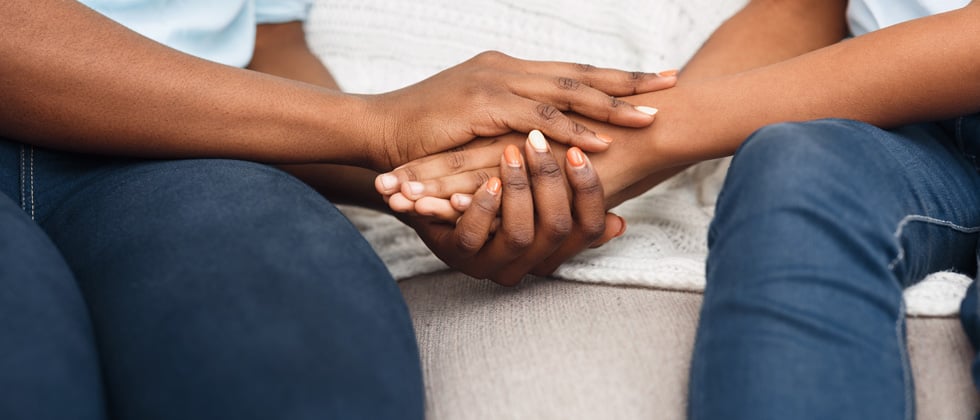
point(114, 92)
point(767, 32)
point(923, 70)
point(281, 50)
point(762, 33)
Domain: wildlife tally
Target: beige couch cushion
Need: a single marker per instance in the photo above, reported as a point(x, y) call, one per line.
point(563, 350)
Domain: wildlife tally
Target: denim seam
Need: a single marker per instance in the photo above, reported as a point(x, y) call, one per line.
point(32, 182)
point(923, 219)
point(23, 179)
point(906, 363)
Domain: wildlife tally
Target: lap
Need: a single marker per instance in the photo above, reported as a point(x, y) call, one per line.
point(47, 349)
point(207, 275)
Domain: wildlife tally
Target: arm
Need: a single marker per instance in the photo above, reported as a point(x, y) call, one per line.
point(923, 70)
point(762, 33)
point(281, 50)
point(75, 80)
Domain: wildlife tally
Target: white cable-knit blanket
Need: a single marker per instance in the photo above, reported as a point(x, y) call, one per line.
point(379, 45)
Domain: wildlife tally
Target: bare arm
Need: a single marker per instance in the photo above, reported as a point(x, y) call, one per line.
point(775, 61)
point(75, 80)
point(281, 50)
point(924, 70)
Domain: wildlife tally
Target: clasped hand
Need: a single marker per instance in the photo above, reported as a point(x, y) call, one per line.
point(533, 213)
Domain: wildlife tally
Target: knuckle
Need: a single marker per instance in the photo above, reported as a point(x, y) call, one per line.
point(636, 76)
point(490, 57)
point(455, 160)
point(558, 228)
point(410, 173)
point(615, 102)
point(547, 111)
point(469, 242)
point(516, 184)
point(519, 241)
point(486, 205)
point(480, 178)
point(584, 68)
point(547, 169)
point(567, 83)
point(589, 187)
point(578, 128)
point(593, 230)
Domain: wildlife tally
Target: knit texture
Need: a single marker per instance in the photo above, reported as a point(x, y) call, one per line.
point(374, 46)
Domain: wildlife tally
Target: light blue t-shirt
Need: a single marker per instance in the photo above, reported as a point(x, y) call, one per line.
point(864, 16)
point(216, 30)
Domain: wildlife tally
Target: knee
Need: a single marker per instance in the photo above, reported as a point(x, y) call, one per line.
point(213, 217)
point(790, 155)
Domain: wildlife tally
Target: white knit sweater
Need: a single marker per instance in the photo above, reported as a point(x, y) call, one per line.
point(380, 45)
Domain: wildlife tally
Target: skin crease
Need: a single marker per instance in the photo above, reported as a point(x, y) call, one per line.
point(779, 61)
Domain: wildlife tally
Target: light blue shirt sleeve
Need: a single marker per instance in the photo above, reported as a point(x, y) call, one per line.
point(280, 11)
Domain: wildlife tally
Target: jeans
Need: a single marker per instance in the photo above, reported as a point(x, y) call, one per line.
point(819, 228)
point(193, 289)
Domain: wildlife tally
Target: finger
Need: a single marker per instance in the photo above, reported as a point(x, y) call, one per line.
point(445, 187)
point(615, 227)
point(399, 204)
point(473, 228)
point(438, 208)
point(551, 208)
point(610, 81)
point(568, 94)
point(525, 115)
point(444, 164)
point(588, 200)
point(516, 232)
point(588, 209)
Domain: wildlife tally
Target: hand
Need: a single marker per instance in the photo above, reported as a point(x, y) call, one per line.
point(493, 94)
point(535, 233)
point(638, 159)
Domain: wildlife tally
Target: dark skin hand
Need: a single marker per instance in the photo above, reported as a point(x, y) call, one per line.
point(542, 223)
point(281, 50)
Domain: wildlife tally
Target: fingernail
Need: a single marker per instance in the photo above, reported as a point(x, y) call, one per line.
point(538, 143)
point(647, 110)
point(389, 182)
point(605, 139)
point(669, 73)
point(493, 186)
point(622, 229)
point(575, 157)
point(463, 201)
point(512, 156)
point(417, 188)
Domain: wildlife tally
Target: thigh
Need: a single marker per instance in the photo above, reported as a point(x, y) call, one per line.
point(819, 228)
point(49, 367)
point(226, 289)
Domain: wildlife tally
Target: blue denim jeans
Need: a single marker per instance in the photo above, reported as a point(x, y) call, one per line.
point(194, 289)
point(819, 228)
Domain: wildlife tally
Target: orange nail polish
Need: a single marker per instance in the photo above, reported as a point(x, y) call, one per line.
point(512, 156)
point(606, 139)
point(575, 157)
point(668, 73)
point(493, 186)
